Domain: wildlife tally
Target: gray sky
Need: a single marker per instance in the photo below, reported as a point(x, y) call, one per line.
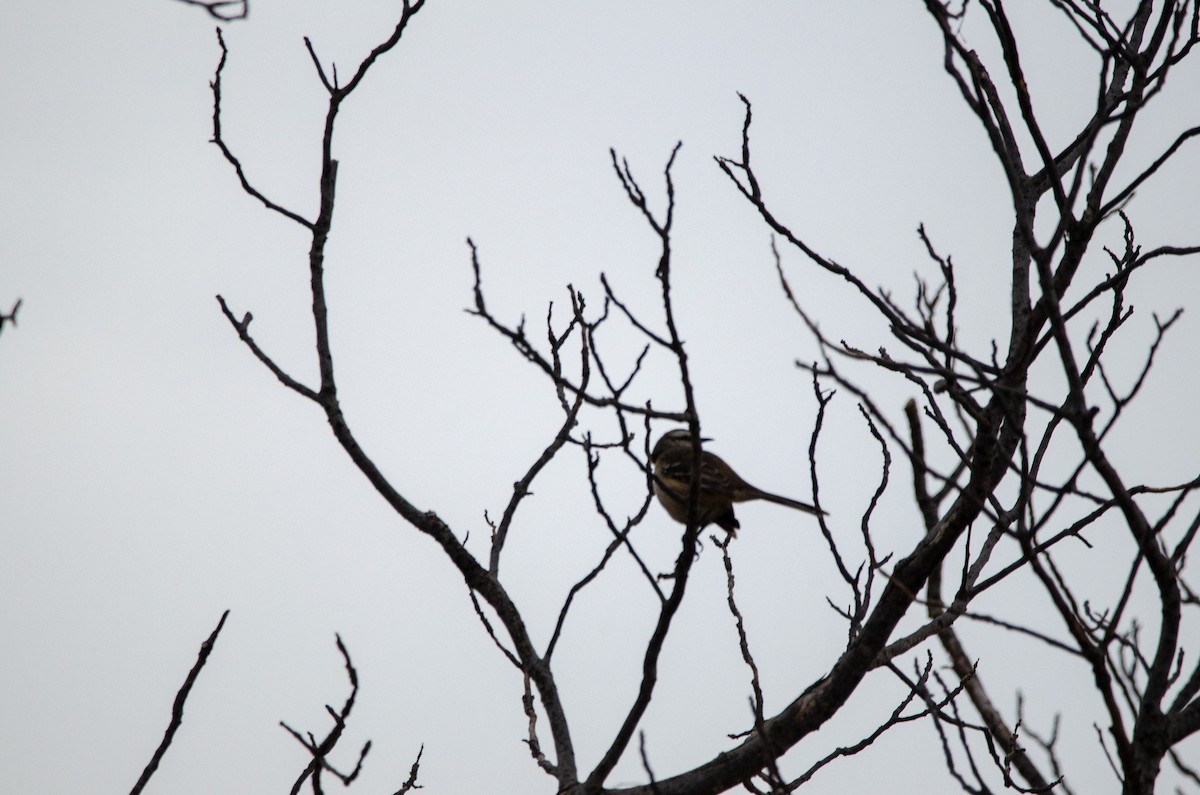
point(155, 474)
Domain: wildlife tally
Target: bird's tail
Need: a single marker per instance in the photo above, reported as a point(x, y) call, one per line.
point(799, 506)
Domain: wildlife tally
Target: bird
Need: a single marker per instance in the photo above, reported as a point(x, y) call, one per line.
point(720, 486)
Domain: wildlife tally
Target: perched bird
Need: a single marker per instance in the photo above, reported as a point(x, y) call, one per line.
point(720, 486)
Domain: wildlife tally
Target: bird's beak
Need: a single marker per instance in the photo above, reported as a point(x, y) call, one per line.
point(705, 439)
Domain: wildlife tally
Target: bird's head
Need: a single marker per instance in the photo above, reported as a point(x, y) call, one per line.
point(678, 439)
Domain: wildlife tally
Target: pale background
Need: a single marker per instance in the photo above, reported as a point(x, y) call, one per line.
point(154, 474)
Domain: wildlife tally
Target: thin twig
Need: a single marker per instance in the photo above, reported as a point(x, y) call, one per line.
point(177, 710)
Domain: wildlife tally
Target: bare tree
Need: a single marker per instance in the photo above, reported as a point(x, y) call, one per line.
point(1008, 447)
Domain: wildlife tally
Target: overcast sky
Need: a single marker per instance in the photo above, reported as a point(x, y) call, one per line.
point(155, 474)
